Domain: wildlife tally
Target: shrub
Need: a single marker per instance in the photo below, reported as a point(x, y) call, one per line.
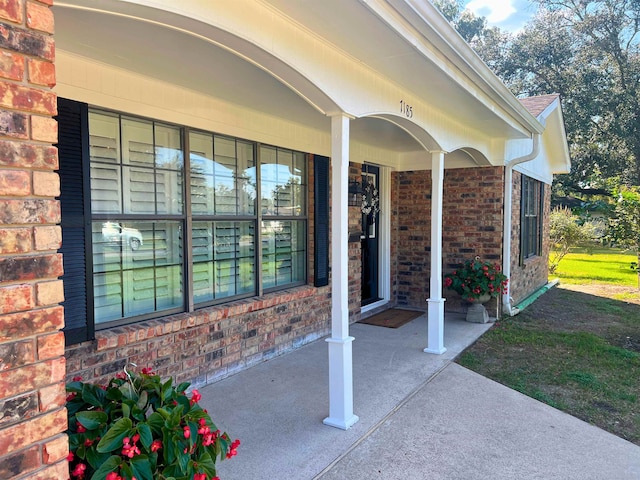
point(475, 278)
point(138, 426)
point(566, 232)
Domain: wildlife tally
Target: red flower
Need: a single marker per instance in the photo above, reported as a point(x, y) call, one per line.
point(147, 371)
point(80, 428)
point(448, 282)
point(186, 431)
point(128, 449)
point(77, 378)
point(113, 476)
point(71, 396)
point(199, 476)
point(156, 445)
point(233, 450)
point(70, 457)
point(88, 442)
point(79, 470)
point(195, 397)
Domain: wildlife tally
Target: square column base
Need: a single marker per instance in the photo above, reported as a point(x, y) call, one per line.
point(435, 332)
point(340, 384)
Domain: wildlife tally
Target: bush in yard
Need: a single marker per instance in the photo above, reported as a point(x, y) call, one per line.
point(139, 427)
point(566, 232)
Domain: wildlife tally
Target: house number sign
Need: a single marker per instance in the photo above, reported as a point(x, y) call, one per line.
point(406, 110)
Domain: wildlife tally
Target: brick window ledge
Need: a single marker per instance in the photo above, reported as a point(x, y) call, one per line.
point(128, 334)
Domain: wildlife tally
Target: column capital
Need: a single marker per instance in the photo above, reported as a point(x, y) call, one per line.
point(340, 114)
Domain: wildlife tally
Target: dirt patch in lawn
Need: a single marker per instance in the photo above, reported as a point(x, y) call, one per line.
point(576, 348)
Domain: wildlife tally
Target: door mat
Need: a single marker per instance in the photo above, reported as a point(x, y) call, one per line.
point(392, 318)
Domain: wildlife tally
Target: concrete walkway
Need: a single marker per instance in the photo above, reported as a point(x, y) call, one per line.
point(421, 416)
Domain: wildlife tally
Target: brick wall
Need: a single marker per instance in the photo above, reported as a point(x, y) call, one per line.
point(32, 366)
point(472, 225)
point(211, 343)
point(532, 274)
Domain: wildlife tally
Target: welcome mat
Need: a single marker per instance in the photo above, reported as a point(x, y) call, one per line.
point(392, 318)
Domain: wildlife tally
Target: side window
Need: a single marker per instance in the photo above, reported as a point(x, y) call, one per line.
point(531, 218)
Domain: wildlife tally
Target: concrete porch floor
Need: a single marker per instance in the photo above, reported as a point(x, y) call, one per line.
point(420, 417)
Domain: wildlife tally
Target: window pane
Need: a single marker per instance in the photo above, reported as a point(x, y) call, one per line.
point(137, 268)
point(283, 174)
point(283, 253)
point(246, 178)
point(104, 154)
point(223, 259)
point(201, 159)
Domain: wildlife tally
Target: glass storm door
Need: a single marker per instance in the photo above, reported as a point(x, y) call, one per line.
point(370, 237)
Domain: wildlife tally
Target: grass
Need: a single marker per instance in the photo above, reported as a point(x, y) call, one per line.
point(576, 348)
point(598, 266)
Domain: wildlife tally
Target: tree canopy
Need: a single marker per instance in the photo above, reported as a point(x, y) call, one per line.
point(588, 52)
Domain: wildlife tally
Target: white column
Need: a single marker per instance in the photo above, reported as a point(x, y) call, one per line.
point(435, 341)
point(340, 351)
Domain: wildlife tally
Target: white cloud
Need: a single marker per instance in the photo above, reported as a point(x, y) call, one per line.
point(496, 11)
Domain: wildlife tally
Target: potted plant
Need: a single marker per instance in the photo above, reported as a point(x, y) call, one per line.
point(137, 426)
point(477, 282)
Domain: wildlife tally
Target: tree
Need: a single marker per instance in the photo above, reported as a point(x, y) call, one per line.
point(588, 51)
point(566, 232)
point(624, 226)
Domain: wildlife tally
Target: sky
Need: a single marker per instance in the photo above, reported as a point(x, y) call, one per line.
point(509, 15)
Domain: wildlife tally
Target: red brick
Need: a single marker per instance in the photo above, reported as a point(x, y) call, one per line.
point(31, 267)
point(27, 99)
point(15, 240)
point(44, 129)
point(50, 346)
point(29, 42)
point(48, 237)
point(16, 354)
point(39, 17)
point(46, 184)
point(57, 471)
point(17, 409)
point(30, 377)
point(37, 210)
point(52, 397)
point(11, 10)
point(33, 322)
point(14, 124)
point(16, 298)
point(15, 183)
point(11, 66)
point(20, 154)
point(21, 462)
point(42, 72)
point(55, 450)
point(19, 436)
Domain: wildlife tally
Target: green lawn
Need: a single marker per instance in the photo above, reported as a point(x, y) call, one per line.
point(602, 265)
point(575, 348)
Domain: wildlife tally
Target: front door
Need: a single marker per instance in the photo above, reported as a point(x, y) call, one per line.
point(370, 238)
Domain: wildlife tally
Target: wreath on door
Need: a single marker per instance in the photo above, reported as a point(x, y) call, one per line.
point(370, 199)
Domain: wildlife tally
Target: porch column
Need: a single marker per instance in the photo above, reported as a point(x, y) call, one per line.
point(340, 357)
point(435, 341)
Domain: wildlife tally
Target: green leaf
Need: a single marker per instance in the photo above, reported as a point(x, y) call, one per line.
point(91, 420)
point(182, 387)
point(142, 401)
point(141, 467)
point(113, 438)
point(145, 435)
point(95, 458)
point(93, 395)
point(156, 422)
point(126, 410)
point(206, 463)
point(110, 465)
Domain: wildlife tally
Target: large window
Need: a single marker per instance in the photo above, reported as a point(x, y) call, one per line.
point(183, 218)
point(531, 217)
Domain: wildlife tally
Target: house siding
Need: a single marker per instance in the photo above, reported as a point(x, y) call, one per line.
point(32, 394)
point(531, 274)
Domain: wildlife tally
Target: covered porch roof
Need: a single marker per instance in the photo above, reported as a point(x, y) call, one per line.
point(397, 68)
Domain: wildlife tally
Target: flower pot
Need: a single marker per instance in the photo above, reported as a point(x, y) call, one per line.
point(476, 312)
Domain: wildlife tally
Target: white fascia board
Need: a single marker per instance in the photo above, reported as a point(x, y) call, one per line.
point(435, 30)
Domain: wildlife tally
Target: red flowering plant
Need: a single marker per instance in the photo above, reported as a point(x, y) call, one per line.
point(474, 279)
point(139, 427)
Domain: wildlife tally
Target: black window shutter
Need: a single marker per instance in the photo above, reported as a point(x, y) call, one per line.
point(321, 216)
point(73, 154)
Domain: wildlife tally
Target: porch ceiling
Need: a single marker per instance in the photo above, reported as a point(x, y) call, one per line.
point(158, 52)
